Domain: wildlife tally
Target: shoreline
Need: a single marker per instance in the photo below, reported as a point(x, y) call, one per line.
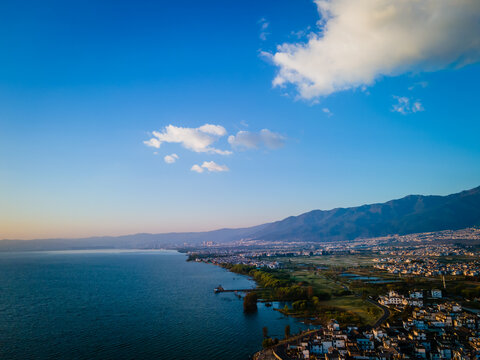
point(306, 320)
point(264, 352)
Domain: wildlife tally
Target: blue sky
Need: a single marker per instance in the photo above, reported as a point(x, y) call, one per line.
point(83, 86)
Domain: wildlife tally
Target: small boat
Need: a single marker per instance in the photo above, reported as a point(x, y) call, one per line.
point(218, 289)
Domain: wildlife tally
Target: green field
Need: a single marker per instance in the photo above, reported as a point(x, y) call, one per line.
point(331, 261)
point(319, 281)
point(368, 312)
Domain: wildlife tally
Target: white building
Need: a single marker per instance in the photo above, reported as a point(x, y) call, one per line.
point(416, 295)
point(392, 299)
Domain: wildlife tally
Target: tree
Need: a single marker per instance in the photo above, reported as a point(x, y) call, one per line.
point(267, 342)
point(250, 302)
point(287, 331)
point(265, 332)
point(310, 292)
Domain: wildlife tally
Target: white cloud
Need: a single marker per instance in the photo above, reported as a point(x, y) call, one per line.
point(264, 24)
point(406, 105)
point(213, 129)
point(196, 139)
point(210, 166)
point(251, 140)
point(359, 41)
point(327, 111)
point(153, 143)
point(170, 159)
point(197, 168)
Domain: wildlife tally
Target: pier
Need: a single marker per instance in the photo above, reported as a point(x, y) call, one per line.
point(220, 289)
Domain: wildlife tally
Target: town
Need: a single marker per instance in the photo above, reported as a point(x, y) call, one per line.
point(423, 326)
point(408, 254)
point(427, 266)
point(397, 297)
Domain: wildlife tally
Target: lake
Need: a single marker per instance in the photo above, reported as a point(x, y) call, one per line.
point(369, 279)
point(126, 305)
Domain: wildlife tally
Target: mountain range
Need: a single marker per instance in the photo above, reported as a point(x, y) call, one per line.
point(411, 214)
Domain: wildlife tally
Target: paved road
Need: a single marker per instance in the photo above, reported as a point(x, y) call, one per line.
point(280, 351)
point(265, 355)
point(386, 312)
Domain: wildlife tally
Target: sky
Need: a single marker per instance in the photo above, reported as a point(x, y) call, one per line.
point(121, 117)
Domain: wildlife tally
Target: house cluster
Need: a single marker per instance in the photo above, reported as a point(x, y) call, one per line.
point(427, 249)
point(426, 267)
point(333, 342)
point(443, 331)
point(439, 332)
point(450, 236)
point(414, 298)
point(438, 318)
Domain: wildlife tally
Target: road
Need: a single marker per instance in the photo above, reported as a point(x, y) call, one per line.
point(386, 313)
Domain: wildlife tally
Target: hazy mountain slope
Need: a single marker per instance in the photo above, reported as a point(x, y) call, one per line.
point(135, 241)
point(411, 214)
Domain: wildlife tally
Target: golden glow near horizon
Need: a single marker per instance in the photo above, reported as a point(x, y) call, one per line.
point(27, 229)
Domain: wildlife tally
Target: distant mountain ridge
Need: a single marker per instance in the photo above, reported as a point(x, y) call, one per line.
point(134, 241)
point(408, 215)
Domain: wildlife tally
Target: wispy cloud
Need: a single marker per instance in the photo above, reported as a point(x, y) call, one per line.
point(420, 84)
point(406, 105)
point(170, 159)
point(264, 24)
point(254, 140)
point(327, 111)
point(195, 139)
point(360, 41)
point(301, 33)
point(209, 166)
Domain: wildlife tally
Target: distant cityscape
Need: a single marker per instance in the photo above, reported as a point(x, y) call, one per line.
point(419, 246)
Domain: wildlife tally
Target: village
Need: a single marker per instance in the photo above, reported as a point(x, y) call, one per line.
point(426, 266)
point(423, 325)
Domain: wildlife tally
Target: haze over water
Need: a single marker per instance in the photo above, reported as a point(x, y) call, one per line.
point(124, 305)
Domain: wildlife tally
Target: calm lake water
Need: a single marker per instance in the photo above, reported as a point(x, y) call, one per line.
point(125, 305)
